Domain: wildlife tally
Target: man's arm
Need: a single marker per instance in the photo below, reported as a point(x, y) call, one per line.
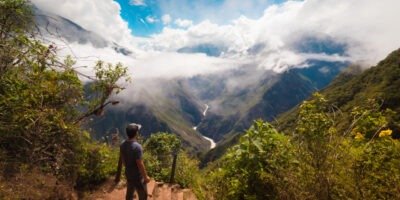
point(142, 169)
point(119, 168)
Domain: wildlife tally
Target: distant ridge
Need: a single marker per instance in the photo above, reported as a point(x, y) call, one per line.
point(354, 87)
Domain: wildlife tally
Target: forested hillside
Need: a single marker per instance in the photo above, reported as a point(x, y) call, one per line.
point(354, 87)
point(339, 144)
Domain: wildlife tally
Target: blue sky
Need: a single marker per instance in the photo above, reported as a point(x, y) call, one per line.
point(136, 16)
point(145, 16)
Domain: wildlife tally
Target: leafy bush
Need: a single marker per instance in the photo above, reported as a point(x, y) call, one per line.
point(98, 162)
point(317, 162)
point(158, 152)
point(42, 104)
point(377, 171)
point(158, 158)
point(257, 168)
point(318, 144)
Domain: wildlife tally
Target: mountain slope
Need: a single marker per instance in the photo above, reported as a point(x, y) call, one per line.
point(172, 110)
point(287, 90)
point(353, 88)
point(53, 27)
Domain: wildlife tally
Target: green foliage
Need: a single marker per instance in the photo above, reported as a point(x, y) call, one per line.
point(256, 167)
point(37, 111)
point(98, 161)
point(158, 154)
point(107, 76)
point(317, 139)
point(369, 120)
point(313, 122)
point(317, 162)
point(15, 23)
point(16, 17)
point(187, 171)
point(41, 103)
point(376, 154)
point(158, 157)
point(376, 169)
point(162, 144)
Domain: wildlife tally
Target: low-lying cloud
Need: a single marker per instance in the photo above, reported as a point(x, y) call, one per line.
point(147, 65)
point(368, 29)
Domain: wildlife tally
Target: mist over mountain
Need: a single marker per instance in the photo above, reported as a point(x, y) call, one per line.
point(271, 97)
point(56, 28)
point(208, 49)
point(234, 90)
point(160, 106)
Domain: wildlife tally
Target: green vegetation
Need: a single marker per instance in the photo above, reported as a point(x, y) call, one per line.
point(98, 162)
point(317, 162)
point(159, 149)
point(158, 157)
point(42, 106)
point(254, 168)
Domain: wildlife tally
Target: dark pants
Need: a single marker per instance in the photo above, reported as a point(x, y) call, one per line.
point(139, 186)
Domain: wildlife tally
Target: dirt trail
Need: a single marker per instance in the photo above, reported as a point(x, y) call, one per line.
point(156, 190)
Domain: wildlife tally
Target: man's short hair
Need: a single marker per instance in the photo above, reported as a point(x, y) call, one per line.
point(132, 130)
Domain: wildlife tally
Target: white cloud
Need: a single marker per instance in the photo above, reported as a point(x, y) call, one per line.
point(137, 2)
point(166, 19)
point(366, 27)
point(203, 33)
point(149, 64)
point(100, 16)
point(184, 23)
point(151, 19)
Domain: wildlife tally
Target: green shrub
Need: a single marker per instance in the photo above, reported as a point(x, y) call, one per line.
point(158, 158)
point(377, 168)
point(98, 162)
point(42, 104)
point(158, 154)
point(259, 167)
point(317, 162)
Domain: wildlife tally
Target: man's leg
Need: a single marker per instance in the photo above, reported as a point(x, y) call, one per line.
point(130, 189)
point(141, 190)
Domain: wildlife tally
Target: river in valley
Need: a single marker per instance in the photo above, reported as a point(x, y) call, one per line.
point(213, 144)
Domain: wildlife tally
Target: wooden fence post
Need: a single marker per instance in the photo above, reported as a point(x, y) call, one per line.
point(175, 156)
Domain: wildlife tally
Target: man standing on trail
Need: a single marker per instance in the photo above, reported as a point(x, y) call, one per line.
point(130, 156)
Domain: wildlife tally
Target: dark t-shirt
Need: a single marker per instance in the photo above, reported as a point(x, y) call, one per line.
point(131, 151)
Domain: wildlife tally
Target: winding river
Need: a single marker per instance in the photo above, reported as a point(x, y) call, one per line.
point(213, 144)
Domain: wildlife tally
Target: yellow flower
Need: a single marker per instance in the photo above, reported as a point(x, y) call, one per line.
point(385, 133)
point(359, 136)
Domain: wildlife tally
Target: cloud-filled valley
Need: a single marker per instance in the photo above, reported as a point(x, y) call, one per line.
point(242, 68)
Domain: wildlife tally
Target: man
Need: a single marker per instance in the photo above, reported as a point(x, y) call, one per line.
point(130, 156)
